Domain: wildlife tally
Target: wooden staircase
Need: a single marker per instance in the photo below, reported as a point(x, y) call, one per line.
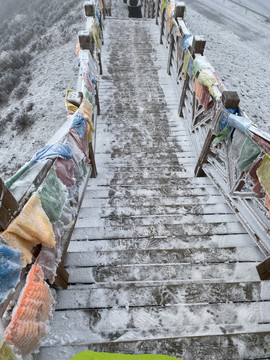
point(158, 262)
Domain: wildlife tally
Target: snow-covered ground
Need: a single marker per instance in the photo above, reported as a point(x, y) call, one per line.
point(261, 6)
point(237, 46)
point(37, 65)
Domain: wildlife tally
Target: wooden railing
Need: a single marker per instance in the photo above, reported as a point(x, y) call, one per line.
point(16, 192)
point(204, 118)
point(149, 9)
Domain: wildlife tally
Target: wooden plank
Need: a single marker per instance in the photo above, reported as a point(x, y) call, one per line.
point(127, 222)
point(156, 210)
point(117, 201)
point(161, 230)
point(165, 273)
point(172, 256)
point(163, 242)
point(169, 189)
point(111, 295)
point(138, 324)
point(185, 183)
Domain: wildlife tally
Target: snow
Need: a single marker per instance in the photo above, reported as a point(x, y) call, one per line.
point(53, 69)
point(238, 47)
point(261, 6)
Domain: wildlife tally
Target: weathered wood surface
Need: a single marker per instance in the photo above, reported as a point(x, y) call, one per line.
point(158, 262)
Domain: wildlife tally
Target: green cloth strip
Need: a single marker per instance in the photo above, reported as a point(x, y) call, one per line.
point(92, 355)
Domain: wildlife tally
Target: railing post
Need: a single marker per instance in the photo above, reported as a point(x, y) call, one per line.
point(86, 41)
point(230, 99)
point(162, 26)
point(179, 13)
point(197, 47)
point(157, 10)
point(8, 206)
point(180, 8)
point(170, 54)
point(93, 161)
point(89, 8)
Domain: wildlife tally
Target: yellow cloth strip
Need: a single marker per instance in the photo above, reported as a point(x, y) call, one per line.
point(29, 228)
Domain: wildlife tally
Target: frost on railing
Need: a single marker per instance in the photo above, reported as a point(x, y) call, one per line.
point(229, 148)
point(40, 205)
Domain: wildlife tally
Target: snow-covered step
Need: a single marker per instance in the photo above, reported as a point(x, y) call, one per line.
point(111, 198)
point(129, 147)
point(111, 295)
point(139, 164)
point(144, 323)
point(186, 229)
point(164, 242)
point(109, 211)
point(153, 220)
point(164, 273)
point(180, 187)
point(155, 256)
point(193, 182)
point(163, 191)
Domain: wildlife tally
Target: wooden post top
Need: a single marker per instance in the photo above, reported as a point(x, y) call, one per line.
point(230, 99)
point(198, 44)
point(86, 40)
point(180, 8)
point(89, 8)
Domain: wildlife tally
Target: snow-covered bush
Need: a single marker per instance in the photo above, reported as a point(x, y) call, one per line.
point(13, 59)
point(22, 120)
point(20, 91)
point(11, 65)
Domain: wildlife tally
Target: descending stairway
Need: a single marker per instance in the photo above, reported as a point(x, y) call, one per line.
point(158, 262)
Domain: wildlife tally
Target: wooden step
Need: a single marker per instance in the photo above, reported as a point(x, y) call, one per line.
point(164, 274)
point(186, 229)
point(155, 256)
point(154, 322)
point(111, 295)
point(163, 242)
point(130, 222)
point(108, 211)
